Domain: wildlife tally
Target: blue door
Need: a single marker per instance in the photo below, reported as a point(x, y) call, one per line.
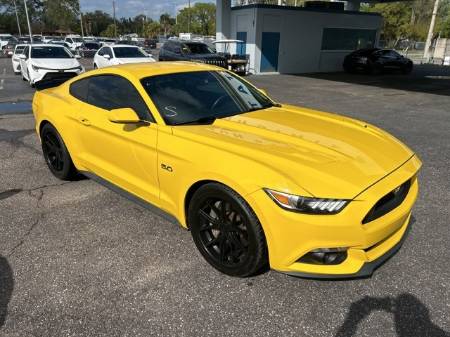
point(269, 51)
point(241, 48)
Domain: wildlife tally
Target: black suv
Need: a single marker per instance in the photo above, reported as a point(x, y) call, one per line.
point(190, 51)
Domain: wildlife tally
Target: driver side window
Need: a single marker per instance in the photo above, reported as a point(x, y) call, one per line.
point(114, 92)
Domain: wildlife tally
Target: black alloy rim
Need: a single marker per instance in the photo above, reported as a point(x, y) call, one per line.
point(223, 233)
point(53, 151)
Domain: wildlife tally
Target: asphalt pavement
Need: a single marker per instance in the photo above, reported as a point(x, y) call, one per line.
point(79, 260)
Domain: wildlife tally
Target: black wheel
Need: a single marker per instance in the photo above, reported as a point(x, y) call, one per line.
point(56, 154)
point(226, 231)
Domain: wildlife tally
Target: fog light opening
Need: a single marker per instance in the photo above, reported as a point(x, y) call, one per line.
point(325, 256)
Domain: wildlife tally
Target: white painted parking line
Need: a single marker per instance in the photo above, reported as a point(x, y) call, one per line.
point(2, 81)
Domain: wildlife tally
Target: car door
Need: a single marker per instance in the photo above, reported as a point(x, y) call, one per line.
point(101, 60)
point(123, 154)
point(23, 63)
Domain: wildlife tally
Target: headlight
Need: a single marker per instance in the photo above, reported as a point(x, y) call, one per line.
point(307, 205)
point(35, 68)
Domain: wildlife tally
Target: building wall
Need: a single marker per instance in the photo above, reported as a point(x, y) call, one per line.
point(300, 35)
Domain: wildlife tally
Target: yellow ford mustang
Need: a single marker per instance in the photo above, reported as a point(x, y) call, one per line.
point(257, 183)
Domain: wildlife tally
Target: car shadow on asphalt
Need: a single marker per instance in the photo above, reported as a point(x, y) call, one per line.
point(411, 316)
point(6, 288)
point(425, 78)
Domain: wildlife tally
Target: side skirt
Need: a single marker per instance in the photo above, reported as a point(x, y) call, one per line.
point(137, 200)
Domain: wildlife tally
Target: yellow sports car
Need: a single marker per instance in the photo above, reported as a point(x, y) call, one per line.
point(257, 183)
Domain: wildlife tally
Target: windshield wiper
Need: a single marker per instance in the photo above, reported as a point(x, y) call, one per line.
point(202, 120)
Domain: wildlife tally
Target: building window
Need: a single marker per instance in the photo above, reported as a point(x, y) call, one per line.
point(348, 39)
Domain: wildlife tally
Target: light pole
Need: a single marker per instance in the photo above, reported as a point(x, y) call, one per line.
point(81, 23)
point(426, 53)
point(189, 17)
point(17, 18)
point(28, 21)
point(114, 15)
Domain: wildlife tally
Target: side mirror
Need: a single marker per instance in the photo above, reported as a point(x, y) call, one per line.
point(23, 56)
point(106, 56)
point(123, 116)
point(263, 91)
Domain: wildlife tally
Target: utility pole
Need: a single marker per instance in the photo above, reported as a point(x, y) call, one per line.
point(114, 15)
point(28, 21)
point(426, 53)
point(189, 17)
point(17, 18)
point(81, 22)
point(143, 25)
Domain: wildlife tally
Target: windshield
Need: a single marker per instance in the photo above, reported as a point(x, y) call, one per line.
point(49, 53)
point(187, 98)
point(128, 52)
point(197, 48)
point(77, 39)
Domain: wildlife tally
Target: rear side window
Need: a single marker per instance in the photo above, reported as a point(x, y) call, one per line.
point(114, 92)
point(79, 89)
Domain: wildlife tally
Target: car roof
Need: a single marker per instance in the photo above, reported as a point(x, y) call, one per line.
point(141, 70)
point(46, 45)
point(124, 45)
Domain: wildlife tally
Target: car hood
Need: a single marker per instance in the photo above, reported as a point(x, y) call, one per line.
point(124, 60)
point(326, 155)
point(56, 64)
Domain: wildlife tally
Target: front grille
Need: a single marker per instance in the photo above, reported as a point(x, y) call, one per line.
point(387, 203)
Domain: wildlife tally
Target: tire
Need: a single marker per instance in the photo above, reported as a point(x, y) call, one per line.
point(56, 154)
point(226, 231)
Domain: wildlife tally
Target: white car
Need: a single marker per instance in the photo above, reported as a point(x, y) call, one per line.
point(46, 62)
point(120, 54)
point(18, 50)
point(4, 39)
point(74, 41)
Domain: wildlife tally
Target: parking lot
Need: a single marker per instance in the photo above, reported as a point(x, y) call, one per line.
point(79, 260)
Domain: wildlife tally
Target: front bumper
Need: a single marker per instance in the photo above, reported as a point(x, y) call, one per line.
point(291, 235)
point(44, 74)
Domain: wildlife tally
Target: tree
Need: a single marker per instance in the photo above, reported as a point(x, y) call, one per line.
point(166, 23)
point(409, 19)
point(109, 31)
point(96, 22)
point(152, 29)
point(61, 14)
point(202, 19)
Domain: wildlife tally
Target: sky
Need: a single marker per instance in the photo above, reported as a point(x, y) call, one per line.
point(131, 8)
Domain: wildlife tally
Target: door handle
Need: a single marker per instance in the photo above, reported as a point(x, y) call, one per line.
point(84, 121)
